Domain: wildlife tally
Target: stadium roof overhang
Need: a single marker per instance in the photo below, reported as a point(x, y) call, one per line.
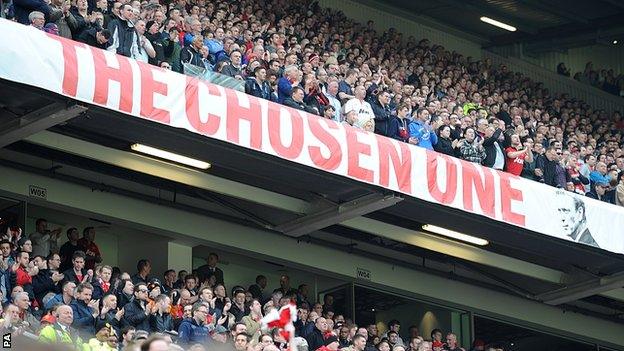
point(89, 144)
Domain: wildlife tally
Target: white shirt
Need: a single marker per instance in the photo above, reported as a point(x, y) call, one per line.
point(363, 109)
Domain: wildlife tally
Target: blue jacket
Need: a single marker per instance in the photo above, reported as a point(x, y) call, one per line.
point(284, 89)
point(426, 136)
point(84, 321)
point(190, 333)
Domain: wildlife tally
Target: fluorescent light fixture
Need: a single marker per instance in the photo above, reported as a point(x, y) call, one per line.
point(498, 24)
point(148, 150)
point(615, 42)
point(455, 235)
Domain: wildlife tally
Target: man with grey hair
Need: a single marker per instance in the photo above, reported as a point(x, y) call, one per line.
point(571, 210)
point(36, 19)
point(332, 96)
point(287, 82)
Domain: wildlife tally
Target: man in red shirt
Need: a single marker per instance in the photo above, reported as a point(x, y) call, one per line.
point(516, 155)
point(90, 248)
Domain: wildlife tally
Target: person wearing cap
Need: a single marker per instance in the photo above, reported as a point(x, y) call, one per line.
point(194, 330)
point(601, 192)
point(102, 340)
point(219, 334)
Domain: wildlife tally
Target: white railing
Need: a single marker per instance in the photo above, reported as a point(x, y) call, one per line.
point(558, 84)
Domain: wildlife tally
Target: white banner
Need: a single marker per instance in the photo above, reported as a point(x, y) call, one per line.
point(87, 74)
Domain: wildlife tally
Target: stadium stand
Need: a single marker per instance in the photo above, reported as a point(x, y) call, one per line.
point(317, 60)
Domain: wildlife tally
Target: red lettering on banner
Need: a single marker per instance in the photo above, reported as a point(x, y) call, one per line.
point(105, 73)
point(402, 165)
point(70, 64)
point(236, 113)
point(354, 150)
point(448, 195)
point(149, 87)
point(472, 180)
point(193, 85)
point(507, 195)
point(275, 132)
point(335, 152)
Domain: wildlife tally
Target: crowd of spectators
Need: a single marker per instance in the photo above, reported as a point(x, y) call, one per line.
point(317, 60)
point(69, 296)
point(604, 79)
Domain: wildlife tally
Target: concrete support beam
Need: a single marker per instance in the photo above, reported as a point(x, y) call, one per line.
point(49, 116)
point(336, 214)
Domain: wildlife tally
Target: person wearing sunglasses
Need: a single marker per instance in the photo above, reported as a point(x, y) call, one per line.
point(136, 312)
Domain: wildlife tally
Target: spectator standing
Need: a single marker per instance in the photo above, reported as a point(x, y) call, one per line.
point(78, 273)
point(44, 240)
point(23, 8)
point(7, 275)
point(422, 130)
point(315, 338)
point(258, 290)
point(81, 17)
point(90, 248)
point(451, 343)
point(125, 294)
point(619, 190)
point(362, 109)
point(345, 87)
point(296, 100)
point(210, 269)
point(85, 310)
point(168, 280)
point(96, 37)
point(144, 268)
point(101, 283)
point(65, 297)
point(516, 155)
point(239, 308)
point(191, 55)
point(36, 19)
point(68, 249)
point(194, 330)
point(110, 314)
point(161, 321)
point(332, 97)
point(122, 31)
point(257, 85)
point(235, 68)
point(445, 145)
point(61, 331)
point(493, 144)
point(286, 83)
point(471, 147)
point(48, 278)
point(136, 312)
point(381, 112)
point(142, 49)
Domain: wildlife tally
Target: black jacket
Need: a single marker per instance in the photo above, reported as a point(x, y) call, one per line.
point(315, 339)
point(252, 87)
point(204, 273)
point(160, 323)
point(298, 105)
point(489, 144)
point(191, 56)
point(382, 117)
point(135, 316)
point(445, 146)
point(122, 35)
point(89, 37)
point(71, 276)
point(109, 318)
point(42, 284)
